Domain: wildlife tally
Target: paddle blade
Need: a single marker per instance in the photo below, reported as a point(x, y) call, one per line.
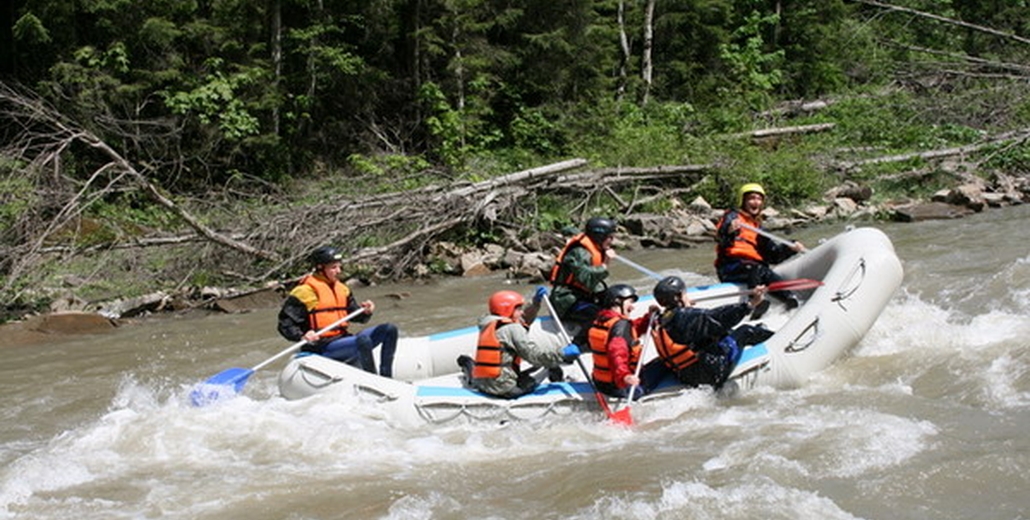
point(622, 416)
point(795, 285)
point(224, 384)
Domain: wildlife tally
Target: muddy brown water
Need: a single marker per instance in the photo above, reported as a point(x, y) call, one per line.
point(927, 417)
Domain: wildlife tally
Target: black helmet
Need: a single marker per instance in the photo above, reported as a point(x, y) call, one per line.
point(599, 227)
point(618, 293)
point(324, 255)
point(667, 292)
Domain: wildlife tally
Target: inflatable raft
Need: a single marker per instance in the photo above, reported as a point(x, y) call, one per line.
point(859, 270)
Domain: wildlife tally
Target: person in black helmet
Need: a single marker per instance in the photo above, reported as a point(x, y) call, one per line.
point(579, 274)
point(321, 299)
point(614, 341)
point(699, 346)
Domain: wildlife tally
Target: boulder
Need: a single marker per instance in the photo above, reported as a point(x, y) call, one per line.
point(260, 299)
point(70, 323)
point(930, 211)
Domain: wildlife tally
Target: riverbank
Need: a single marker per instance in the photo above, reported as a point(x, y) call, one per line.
point(684, 225)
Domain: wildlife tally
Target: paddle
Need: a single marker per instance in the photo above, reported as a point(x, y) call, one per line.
point(770, 236)
point(638, 267)
point(622, 414)
point(565, 337)
point(783, 285)
point(230, 381)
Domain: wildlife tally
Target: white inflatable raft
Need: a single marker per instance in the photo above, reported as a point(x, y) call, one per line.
point(859, 270)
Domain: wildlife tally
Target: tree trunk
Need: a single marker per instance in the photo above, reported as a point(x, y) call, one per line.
point(277, 56)
point(646, 66)
point(620, 91)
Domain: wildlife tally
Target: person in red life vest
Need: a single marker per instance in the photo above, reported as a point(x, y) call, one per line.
point(504, 342)
point(579, 274)
point(699, 346)
point(615, 344)
point(744, 256)
point(319, 300)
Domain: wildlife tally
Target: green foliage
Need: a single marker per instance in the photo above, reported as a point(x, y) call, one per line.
point(754, 71)
point(399, 171)
point(17, 197)
point(29, 29)
point(215, 99)
point(458, 133)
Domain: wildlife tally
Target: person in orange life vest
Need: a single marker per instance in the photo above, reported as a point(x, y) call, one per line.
point(504, 342)
point(743, 255)
point(699, 346)
point(319, 300)
point(614, 342)
point(578, 276)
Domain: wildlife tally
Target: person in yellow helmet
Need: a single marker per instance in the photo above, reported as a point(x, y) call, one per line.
point(744, 256)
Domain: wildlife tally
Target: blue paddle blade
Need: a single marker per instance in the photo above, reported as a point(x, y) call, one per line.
point(224, 384)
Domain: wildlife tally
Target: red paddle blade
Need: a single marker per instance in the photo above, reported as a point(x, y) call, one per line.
point(795, 285)
point(622, 417)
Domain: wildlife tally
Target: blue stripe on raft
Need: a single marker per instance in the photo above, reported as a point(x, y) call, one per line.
point(447, 334)
point(753, 352)
point(723, 285)
point(545, 389)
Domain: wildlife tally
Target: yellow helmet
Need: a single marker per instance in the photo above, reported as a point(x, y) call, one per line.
point(751, 187)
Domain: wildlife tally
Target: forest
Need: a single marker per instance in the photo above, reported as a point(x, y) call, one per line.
point(197, 142)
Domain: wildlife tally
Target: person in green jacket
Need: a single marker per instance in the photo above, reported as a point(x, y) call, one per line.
point(504, 343)
point(579, 274)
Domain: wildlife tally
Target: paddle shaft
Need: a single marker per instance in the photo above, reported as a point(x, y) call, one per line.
point(784, 285)
point(639, 267)
point(301, 343)
point(568, 341)
point(640, 363)
point(770, 236)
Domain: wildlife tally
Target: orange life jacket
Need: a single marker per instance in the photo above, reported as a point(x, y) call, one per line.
point(331, 305)
point(489, 350)
point(745, 245)
point(676, 356)
point(597, 339)
point(560, 276)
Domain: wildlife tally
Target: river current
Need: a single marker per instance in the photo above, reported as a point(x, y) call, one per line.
point(927, 418)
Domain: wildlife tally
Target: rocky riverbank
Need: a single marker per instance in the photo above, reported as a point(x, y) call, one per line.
point(686, 225)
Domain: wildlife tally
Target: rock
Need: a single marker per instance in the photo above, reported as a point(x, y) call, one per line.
point(700, 205)
point(929, 211)
point(699, 227)
point(533, 266)
point(968, 195)
point(70, 323)
point(260, 299)
point(995, 200)
point(147, 303)
point(647, 224)
point(68, 302)
point(477, 269)
point(843, 207)
point(816, 212)
point(850, 190)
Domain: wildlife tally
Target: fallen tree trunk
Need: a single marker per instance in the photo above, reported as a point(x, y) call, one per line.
point(1019, 135)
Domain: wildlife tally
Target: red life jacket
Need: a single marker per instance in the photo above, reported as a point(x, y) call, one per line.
point(560, 276)
point(676, 356)
point(745, 245)
point(597, 339)
point(489, 350)
point(331, 305)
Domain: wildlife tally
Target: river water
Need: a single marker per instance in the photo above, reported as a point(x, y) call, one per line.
point(926, 419)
